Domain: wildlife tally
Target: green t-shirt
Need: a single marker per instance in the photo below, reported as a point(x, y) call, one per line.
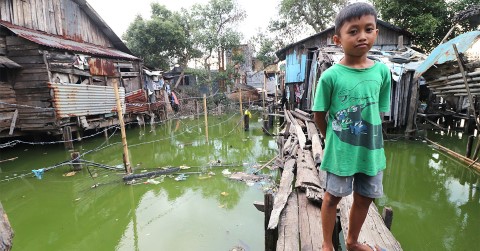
point(354, 99)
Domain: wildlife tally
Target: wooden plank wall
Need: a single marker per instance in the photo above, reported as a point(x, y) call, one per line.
point(57, 17)
point(30, 85)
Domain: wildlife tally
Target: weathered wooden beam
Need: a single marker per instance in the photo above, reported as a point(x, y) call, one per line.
point(317, 149)
point(298, 130)
point(374, 231)
point(6, 232)
point(307, 174)
point(288, 229)
point(283, 192)
point(311, 237)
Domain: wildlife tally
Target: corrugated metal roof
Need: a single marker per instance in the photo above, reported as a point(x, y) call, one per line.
point(445, 53)
point(65, 44)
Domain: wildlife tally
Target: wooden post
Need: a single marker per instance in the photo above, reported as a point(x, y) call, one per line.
point(67, 137)
point(6, 232)
point(241, 104)
point(271, 235)
point(246, 122)
point(126, 158)
point(469, 146)
point(76, 164)
point(387, 216)
point(197, 109)
point(105, 133)
point(470, 97)
point(264, 93)
point(206, 118)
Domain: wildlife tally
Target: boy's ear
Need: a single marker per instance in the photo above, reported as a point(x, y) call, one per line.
point(336, 40)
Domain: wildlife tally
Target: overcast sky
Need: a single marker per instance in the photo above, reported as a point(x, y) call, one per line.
point(118, 14)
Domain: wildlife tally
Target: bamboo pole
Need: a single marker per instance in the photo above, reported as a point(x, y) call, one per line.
point(456, 155)
point(206, 118)
point(126, 158)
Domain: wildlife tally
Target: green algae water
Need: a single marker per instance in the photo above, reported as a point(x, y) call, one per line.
point(435, 198)
point(206, 211)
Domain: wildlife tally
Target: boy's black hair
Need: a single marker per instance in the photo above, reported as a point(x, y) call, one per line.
point(355, 10)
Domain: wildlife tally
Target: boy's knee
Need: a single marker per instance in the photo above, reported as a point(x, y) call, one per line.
point(330, 200)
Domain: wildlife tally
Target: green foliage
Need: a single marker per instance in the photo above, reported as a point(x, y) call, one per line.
point(162, 40)
point(214, 25)
point(429, 21)
point(318, 14)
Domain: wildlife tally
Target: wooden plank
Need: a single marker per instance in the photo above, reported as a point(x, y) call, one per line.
point(311, 237)
point(14, 120)
point(374, 231)
point(288, 230)
point(298, 129)
point(27, 59)
point(317, 149)
point(283, 192)
point(307, 174)
point(6, 232)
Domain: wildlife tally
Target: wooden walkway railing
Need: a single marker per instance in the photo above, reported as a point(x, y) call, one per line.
point(295, 216)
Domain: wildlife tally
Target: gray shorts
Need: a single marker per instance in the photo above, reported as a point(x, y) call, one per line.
point(368, 186)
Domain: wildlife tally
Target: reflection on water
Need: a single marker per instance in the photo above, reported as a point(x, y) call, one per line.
point(207, 211)
point(435, 198)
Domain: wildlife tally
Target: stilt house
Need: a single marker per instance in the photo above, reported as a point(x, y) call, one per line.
point(58, 63)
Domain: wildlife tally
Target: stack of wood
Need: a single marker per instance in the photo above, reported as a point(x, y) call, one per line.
point(295, 213)
point(6, 233)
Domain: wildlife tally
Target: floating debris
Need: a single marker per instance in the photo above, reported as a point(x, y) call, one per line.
point(181, 177)
point(224, 193)
point(226, 172)
point(69, 174)
point(184, 167)
point(151, 181)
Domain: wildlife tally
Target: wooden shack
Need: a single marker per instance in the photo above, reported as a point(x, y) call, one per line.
point(58, 62)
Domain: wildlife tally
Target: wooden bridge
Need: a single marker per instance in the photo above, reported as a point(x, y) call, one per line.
point(292, 218)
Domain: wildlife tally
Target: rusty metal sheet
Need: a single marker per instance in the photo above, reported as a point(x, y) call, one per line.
point(60, 42)
point(102, 67)
point(72, 100)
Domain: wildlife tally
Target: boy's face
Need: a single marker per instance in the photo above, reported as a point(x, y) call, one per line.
point(357, 36)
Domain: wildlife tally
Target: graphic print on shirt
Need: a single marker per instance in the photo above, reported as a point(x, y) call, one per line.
point(348, 123)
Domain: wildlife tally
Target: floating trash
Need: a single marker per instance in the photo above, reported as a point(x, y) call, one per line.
point(184, 167)
point(69, 174)
point(224, 193)
point(226, 172)
point(39, 173)
point(181, 177)
point(151, 181)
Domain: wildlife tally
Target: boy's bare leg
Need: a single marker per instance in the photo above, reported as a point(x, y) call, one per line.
point(329, 215)
point(358, 213)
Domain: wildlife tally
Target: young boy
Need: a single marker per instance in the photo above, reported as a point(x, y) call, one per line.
point(353, 92)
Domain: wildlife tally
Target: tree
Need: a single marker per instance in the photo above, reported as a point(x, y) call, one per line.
point(163, 40)
point(428, 21)
point(318, 14)
point(214, 29)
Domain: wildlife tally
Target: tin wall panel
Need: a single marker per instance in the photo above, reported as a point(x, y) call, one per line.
point(72, 100)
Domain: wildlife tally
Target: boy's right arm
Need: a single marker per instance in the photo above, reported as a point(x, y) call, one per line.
point(320, 121)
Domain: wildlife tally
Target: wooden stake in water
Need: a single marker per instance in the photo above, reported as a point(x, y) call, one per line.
point(264, 89)
point(126, 158)
point(206, 119)
point(241, 106)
